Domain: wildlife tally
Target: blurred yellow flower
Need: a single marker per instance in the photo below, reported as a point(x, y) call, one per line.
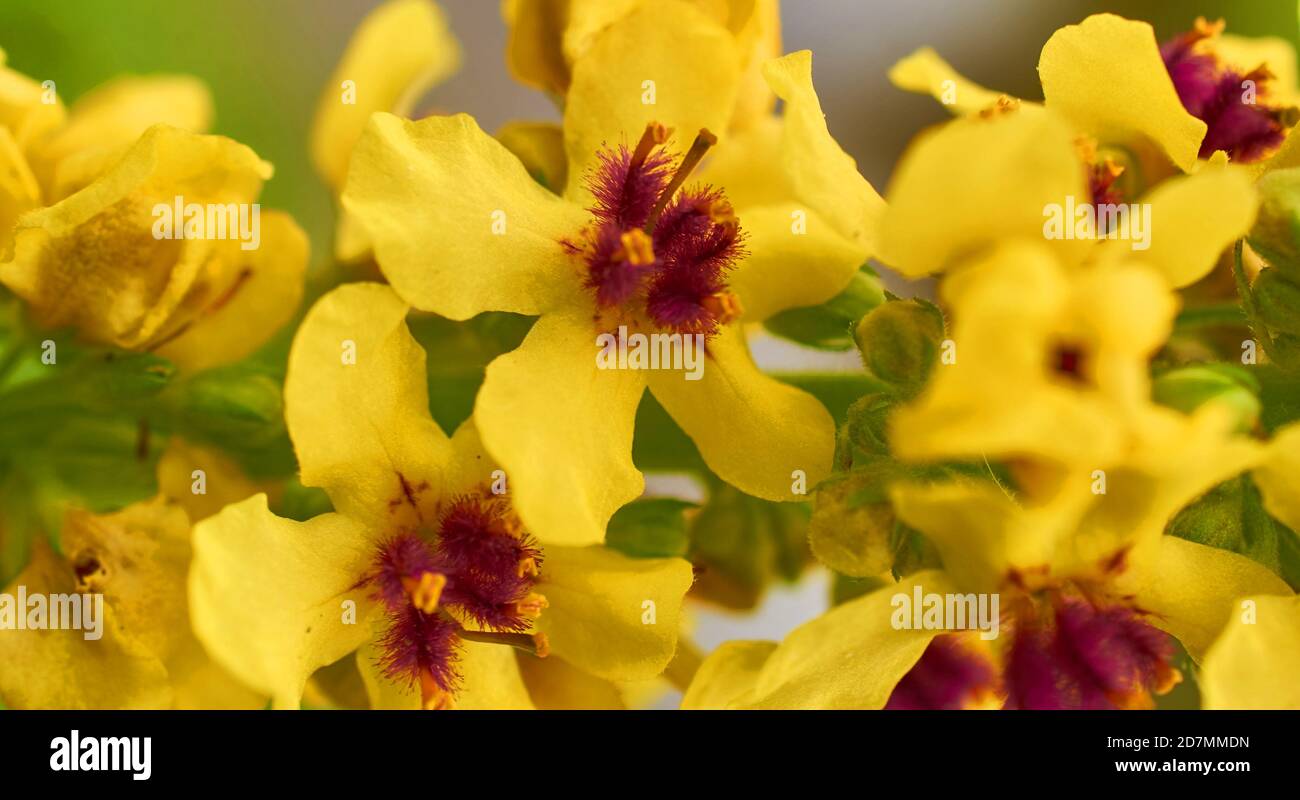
point(79, 198)
point(400, 50)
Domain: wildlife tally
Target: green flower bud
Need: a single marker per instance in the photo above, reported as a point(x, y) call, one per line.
point(1276, 234)
point(239, 407)
point(900, 342)
point(1187, 388)
point(1278, 301)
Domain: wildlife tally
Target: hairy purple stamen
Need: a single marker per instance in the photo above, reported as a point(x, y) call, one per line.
point(655, 248)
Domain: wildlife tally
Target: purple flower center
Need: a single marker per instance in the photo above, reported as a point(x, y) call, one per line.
point(657, 254)
point(1227, 100)
point(480, 565)
point(950, 676)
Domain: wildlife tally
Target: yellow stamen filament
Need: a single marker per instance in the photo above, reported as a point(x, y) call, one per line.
point(636, 249)
point(703, 141)
point(653, 135)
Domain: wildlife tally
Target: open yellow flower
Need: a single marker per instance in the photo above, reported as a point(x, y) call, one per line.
point(460, 227)
point(402, 49)
point(1086, 579)
point(143, 654)
point(1194, 95)
point(976, 182)
point(1049, 366)
point(424, 569)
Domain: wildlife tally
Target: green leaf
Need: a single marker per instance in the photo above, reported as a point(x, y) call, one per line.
point(457, 355)
point(829, 326)
point(1231, 516)
point(651, 528)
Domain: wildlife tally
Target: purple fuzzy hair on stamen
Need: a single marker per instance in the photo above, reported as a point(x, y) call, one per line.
point(625, 196)
point(484, 561)
point(403, 556)
point(416, 644)
point(615, 279)
point(948, 675)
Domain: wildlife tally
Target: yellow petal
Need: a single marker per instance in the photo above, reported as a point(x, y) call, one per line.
point(1245, 53)
point(19, 191)
point(398, 52)
point(1192, 590)
point(568, 471)
point(491, 679)
point(1254, 662)
point(750, 167)
point(687, 60)
point(999, 398)
point(109, 118)
point(1193, 219)
point(61, 669)
point(610, 615)
point(974, 182)
point(458, 225)
point(223, 482)
point(1276, 476)
point(263, 294)
point(555, 684)
point(727, 675)
point(357, 409)
point(925, 72)
point(92, 260)
point(795, 258)
point(269, 597)
point(851, 657)
point(539, 146)
point(980, 533)
point(760, 435)
point(823, 175)
point(757, 26)
point(23, 110)
point(534, 52)
point(1106, 76)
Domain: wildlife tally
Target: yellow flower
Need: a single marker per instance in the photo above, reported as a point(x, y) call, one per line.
point(547, 38)
point(976, 182)
point(424, 569)
point(1048, 364)
point(79, 191)
point(1276, 476)
point(143, 654)
point(402, 49)
point(1111, 79)
point(1088, 572)
point(1254, 662)
point(460, 227)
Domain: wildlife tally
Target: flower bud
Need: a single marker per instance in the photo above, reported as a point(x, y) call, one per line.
point(900, 342)
point(1187, 388)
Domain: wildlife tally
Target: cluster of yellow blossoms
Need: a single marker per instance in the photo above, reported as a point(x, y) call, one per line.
point(1091, 426)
